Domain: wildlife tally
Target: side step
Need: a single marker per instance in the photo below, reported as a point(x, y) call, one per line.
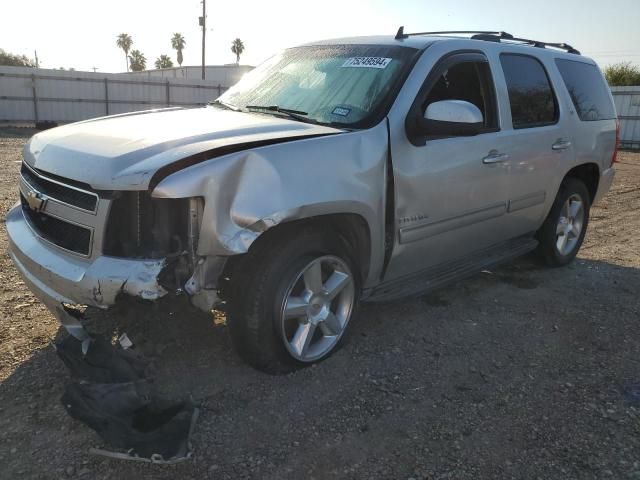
point(435, 277)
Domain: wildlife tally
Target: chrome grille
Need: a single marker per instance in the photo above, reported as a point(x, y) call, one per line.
point(67, 194)
point(69, 236)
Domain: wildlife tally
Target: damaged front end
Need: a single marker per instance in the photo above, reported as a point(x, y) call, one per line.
point(139, 246)
point(167, 230)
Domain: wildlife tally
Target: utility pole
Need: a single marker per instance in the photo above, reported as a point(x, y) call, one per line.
point(203, 24)
point(35, 52)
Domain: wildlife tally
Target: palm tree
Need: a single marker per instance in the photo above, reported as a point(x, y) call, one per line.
point(164, 61)
point(178, 43)
point(237, 47)
point(138, 61)
point(124, 42)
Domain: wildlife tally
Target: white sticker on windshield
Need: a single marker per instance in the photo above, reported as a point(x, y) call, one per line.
point(367, 62)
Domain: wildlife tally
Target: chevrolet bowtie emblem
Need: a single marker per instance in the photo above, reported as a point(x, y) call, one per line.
point(36, 200)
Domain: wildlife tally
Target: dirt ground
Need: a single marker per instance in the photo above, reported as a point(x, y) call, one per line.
point(522, 372)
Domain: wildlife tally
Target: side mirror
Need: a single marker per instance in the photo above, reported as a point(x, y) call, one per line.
point(452, 118)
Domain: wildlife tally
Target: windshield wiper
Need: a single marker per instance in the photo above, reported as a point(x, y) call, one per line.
point(225, 105)
point(295, 114)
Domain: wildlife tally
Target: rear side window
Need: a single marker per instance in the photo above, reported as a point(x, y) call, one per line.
point(588, 90)
point(531, 98)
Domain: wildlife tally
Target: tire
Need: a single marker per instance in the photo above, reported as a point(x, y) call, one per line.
point(570, 210)
point(272, 272)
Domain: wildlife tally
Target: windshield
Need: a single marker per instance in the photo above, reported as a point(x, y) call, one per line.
point(350, 85)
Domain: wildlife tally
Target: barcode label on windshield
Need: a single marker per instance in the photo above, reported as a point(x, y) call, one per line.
point(367, 62)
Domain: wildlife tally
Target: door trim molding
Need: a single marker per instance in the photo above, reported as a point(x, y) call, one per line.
point(431, 229)
point(526, 201)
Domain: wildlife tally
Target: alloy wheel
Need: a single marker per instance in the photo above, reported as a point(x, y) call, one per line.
point(570, 224)
point(317, 307)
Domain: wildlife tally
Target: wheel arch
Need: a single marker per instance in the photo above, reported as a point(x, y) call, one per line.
point(589, 174)
point(351, 228)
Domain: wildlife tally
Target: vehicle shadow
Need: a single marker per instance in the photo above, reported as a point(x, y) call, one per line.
point(515, 355)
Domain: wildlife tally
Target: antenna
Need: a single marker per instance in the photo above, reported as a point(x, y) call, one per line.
point(400, 35)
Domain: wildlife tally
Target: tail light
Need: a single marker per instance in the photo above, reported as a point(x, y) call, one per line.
point(614, 157)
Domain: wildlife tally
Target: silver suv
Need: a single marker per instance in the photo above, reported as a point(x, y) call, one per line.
point(347, 170)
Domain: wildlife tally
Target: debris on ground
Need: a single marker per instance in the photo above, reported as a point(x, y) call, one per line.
point(519, 420)
point(112, 396)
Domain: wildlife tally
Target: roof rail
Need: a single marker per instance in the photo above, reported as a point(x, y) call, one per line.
point(491, 36)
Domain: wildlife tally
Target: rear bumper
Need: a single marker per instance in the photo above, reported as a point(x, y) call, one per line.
point(57, 277)
point(606, 179)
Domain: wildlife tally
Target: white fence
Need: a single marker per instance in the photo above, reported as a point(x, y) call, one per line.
point(32, 95)
point(36, 95)
point(223, 74)
point(627, 100)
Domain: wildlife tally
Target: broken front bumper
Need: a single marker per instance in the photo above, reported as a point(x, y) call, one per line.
point(57, 277)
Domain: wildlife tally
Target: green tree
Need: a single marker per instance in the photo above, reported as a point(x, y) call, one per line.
point(237, 47)
point(622, 75)
point(178, 43)
point(125, 42)
point(13, 60)
point(164, 61)
point(137, 60)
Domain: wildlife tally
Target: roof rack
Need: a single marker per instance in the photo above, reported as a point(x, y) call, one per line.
point(491, 36)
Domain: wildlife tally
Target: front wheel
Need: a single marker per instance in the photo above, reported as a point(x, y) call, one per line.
point(316, 308)
point(563, 231)
point(292, 298)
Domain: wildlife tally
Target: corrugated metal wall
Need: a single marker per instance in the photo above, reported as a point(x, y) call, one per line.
point(30, 95)
point(627, 100)
point(218, 74)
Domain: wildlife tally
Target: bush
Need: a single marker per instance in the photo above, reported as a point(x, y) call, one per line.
point(12, 60)
point(622, 75)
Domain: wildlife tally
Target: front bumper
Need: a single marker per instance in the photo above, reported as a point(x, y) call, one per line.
point(57, 277)
point(606, 179)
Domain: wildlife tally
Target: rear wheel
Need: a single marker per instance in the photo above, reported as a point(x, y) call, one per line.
point(563, 231)
point(292, 297)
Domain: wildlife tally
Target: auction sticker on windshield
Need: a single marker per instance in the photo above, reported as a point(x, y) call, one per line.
point(367, 62)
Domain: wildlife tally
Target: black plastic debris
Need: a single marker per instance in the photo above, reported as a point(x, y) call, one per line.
point(126, 416)
point(103, 363)
point(114, 398)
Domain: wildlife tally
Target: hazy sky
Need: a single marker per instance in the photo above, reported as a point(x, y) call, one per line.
point(82, 33)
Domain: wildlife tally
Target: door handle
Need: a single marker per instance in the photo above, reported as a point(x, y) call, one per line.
point(495, 157)
point(561, 144)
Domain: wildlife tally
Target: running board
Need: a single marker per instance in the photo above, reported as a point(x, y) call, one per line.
point(440, 275)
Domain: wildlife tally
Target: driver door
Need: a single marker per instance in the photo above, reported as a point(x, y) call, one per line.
point(451, 191)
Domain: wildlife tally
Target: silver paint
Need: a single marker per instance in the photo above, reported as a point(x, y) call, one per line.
point(56, 277)
point(450, 197)
point(457, 111)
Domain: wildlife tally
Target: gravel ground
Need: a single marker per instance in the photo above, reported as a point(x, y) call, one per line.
point(522, 372)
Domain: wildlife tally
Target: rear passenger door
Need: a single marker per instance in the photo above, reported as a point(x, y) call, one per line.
point(540, 147)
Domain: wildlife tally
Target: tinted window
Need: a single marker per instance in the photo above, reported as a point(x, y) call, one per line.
point(530, 96)
point(468, 81)
point(588, 90)
point(344, 84)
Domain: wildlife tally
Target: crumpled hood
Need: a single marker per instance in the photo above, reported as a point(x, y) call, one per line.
point(122, 152)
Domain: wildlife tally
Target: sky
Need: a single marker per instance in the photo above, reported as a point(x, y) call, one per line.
point(81, 34)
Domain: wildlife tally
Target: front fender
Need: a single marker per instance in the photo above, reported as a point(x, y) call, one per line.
point(248, 192)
